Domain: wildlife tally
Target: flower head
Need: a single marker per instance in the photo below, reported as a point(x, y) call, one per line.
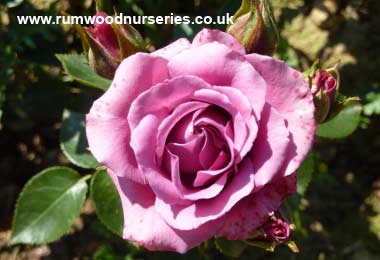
point(202, 139)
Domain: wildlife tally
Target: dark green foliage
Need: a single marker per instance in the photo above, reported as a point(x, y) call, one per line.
point(48, 205)
point(77, 68)
point(107, 202)
point(73, 140)
point(343, 125)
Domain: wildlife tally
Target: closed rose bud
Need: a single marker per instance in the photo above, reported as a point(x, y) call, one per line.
point(104, 34)
point(255, 27)
point(276, 229)
point(324, 89)
point(109, 44)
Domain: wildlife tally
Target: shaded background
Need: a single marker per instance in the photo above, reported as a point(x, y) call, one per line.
point(339, 216)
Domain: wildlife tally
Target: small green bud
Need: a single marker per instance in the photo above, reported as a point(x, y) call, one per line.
point(255, 28)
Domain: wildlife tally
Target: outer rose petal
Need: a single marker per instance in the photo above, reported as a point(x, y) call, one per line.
point(188, 217)
point(270, 148)
point(253, 211)
point(218, 65)
point(173, 49)
point(142, 223)
point(109, 142)
point(290, 95)
point(108, 132)
point(207, 36)
point(135, 74)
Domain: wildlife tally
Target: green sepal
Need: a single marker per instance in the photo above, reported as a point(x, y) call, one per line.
point(322, 106)
point(103, 6)
point(129, 40)
point(255, 27)
point(268, 246)
point(292, 246)
point(82, 35)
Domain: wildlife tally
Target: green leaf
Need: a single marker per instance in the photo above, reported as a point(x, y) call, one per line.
point(373, 105)
point(48, 205)
point(293, 212)
point(107, 202)
point(343, 124)
point(231, 248)
point(305, 174)
point(77, 68)
point(103, 6)
point(74, 142)
point(14, 3)
point(104, 252)
point(229, 6)
point(268, 246)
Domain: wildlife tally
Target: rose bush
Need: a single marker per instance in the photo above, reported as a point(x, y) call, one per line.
point(201, 139)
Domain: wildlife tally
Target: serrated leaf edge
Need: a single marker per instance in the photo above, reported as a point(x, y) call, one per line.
point(23, 191)
point(350, 133)
point(68, 156)
point(97, 215)
point(59, 55)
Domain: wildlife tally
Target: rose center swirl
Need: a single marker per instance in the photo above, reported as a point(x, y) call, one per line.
point(198, 147)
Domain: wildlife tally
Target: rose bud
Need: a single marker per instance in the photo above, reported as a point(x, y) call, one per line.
point(273, 232)
point(276, 229)
point(255, 28)
point(324, 88)
point(109, 44)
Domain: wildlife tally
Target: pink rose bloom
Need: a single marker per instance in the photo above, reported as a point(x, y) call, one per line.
point(201, 139)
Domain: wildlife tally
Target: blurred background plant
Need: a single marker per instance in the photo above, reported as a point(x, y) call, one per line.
point(337, 217)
